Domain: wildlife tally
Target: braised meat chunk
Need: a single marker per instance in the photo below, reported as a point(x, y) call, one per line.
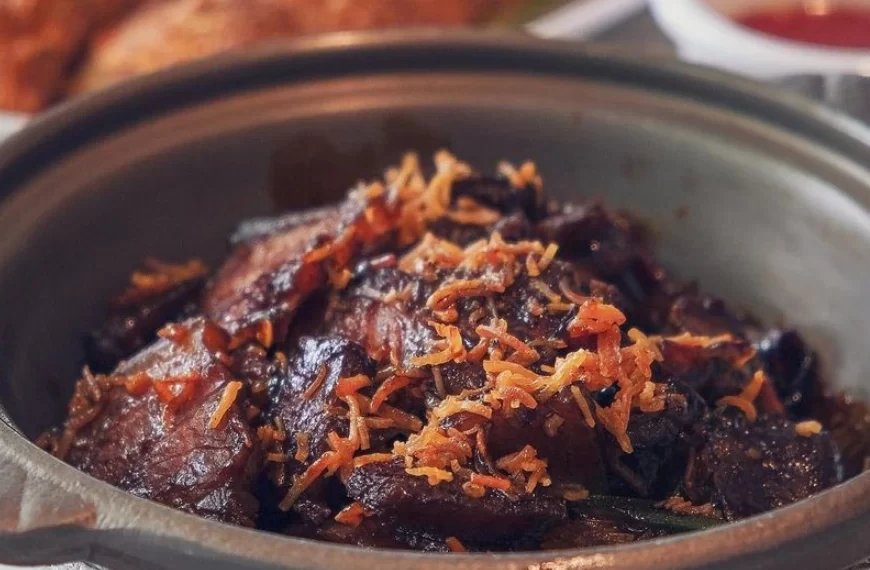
point(446, 509)
point(661, 441)
point(169, 425)
point(162, 293)
point(271, 274)
point(449, 363)
point(312, 406)
point(748, 468)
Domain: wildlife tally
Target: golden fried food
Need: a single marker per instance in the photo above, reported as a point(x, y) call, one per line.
point(163, 34)
point(40, 41)
point(157, 36)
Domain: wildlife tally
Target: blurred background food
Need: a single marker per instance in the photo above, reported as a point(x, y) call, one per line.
point(770, 39)
point(53, 48)
point(40, 41)
point(159, 34)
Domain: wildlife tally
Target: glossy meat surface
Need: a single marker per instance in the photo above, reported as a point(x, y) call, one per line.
point(307, 406)
point(163, 447)
point(161, 294)
point(399, 331)
point(446, 509)
point(264, 271)
point(750, 468)
point(451, 363)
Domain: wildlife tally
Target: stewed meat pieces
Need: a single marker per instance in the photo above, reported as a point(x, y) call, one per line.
point(153, 433)
point(159, 294)
point(446, 364)
point(267, 274)
point(749, 468)
point(446, 509)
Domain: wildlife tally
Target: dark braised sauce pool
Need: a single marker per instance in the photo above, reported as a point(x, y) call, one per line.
point(457, 364)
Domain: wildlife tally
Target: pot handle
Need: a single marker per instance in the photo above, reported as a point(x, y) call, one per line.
point(42, 521)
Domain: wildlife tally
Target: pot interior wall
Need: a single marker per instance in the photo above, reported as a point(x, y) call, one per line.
point(755, 214)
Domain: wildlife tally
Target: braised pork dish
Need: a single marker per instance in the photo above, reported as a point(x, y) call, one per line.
point(447, 361)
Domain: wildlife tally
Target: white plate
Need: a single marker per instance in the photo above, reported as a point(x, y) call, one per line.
point(583, 19)
point(10, 123)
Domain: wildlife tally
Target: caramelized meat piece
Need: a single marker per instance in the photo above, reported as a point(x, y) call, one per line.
point(268, 274)
point(591, 234)
point(271, 273)
point(370, 533)
point(201, 470)
point(498, 206)
point(384, 311)
point(661, 441)
point(398, 330)
point(558, 431)
point(711, 369)
point(615, 250)
point(169, 293)
point(373, 532)
point(749, 468)
point(540, 310)
point(445, 509)
point(500, 194)
point(153, 433)
point(423, 541)
point(306, 401)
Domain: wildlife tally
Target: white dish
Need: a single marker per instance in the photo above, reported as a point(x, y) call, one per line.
point(582, 19)
point(704, 32)
point(11, 122)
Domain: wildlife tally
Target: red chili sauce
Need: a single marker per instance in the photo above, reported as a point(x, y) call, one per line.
point(845, 27)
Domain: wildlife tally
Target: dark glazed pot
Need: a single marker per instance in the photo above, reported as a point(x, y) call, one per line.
point(763, 197)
